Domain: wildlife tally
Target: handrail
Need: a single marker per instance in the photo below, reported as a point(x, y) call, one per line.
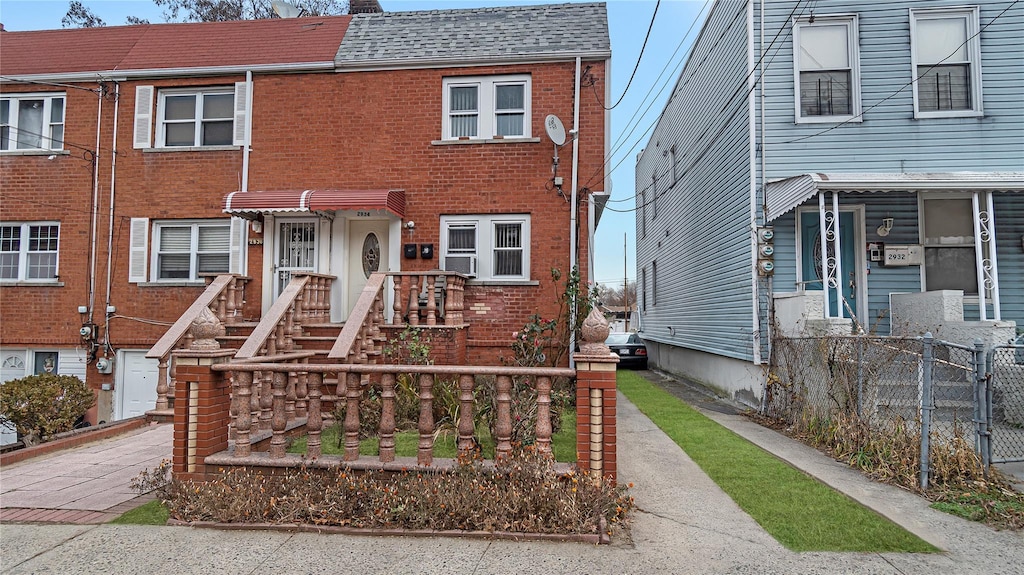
point(270, 320)
point(510, 370)
point(172, 336)
point(357, 318)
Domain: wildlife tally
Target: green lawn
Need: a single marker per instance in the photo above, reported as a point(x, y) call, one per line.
point(563, 443)
point(152, 513)
point(800, 512)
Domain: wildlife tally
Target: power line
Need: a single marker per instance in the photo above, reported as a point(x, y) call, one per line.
point(731, 99)
point(638, 59)
point(907, 85)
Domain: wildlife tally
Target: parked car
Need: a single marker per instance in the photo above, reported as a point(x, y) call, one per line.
point(631, 349)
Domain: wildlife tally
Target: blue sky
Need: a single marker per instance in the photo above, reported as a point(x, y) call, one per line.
point(628, 22)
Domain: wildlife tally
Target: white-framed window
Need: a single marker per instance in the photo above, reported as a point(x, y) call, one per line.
point(488, 247)
point(183, 250)
point(826, 69)
point(947, 231)
point(32, 122)
point(486, 107)
point(946, 57)
point(28, 251)
point(193, 118)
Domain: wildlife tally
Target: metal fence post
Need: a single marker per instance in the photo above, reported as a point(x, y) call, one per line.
point(928, 359)
point(860, 377)
point(980, 408)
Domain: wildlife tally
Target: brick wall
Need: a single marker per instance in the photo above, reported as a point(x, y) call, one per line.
point(317, 130)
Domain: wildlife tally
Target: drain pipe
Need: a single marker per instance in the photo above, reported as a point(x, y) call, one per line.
point(110, 233)
point(248, 131)
point(574, 207)
point(95, 203)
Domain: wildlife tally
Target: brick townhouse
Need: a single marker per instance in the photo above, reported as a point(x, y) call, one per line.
point(138, 160)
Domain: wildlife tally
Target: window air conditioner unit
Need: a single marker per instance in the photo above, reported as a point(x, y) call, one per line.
point(462, 264)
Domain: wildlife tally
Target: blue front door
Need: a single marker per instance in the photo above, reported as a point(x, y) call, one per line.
point(810, 239)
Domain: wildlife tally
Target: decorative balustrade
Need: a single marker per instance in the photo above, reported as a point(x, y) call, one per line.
point(259, 400)
point(350, 379)
point(224, 298)
point(436, 295)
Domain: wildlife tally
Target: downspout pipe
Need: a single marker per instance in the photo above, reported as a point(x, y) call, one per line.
point(248, 131)
point(94, 216)
point(110, 223)
point(574, 206)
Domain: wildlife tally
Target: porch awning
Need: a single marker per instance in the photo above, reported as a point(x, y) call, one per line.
point(786, 194)
point(270, 201)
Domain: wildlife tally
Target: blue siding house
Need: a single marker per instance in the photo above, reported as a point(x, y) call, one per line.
point(888, 132)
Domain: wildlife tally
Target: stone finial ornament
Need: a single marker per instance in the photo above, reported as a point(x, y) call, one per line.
point(594, 331)
point(205, 330)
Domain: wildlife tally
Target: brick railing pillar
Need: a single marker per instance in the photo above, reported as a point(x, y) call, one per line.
point(201, 411)
point(596, 430)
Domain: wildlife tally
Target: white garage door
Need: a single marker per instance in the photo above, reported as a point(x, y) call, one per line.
point(136, 385)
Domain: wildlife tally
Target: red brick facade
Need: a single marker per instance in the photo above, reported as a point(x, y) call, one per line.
point(353, 130)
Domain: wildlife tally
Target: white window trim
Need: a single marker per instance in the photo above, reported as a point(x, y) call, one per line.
point(970, 15)
point(484, 225)
point(161, 123)
point(47, 142)
point(486, 105)
point(23, 252)
point(853, 34)
point(154, 255)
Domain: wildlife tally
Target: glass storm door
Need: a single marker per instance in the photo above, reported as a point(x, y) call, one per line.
point(810, 239)
point(296, 251)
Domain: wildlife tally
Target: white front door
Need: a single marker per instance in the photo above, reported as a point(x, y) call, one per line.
point(367, 253)
point(296, 250)
point(137, 377)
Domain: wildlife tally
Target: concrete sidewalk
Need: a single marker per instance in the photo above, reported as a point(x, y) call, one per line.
point(685, 524)
point(87, 484)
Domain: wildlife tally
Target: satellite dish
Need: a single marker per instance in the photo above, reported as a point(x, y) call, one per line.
point(285, 10)
point(556, 131)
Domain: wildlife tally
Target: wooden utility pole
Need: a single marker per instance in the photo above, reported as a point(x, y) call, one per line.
point(625, 280)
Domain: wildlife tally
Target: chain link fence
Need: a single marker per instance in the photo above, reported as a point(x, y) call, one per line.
point(1003, 405)
point(882, 402)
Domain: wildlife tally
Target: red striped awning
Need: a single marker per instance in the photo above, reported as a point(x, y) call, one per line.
point(240, 203)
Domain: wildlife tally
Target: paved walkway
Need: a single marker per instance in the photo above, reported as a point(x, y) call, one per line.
point(87, 484)
point(685, 524)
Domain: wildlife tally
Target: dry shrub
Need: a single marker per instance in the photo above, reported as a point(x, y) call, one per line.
point(521, 493)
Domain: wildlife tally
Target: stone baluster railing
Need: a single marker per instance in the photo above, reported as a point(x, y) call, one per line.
point(224, 298)
point(436, 295)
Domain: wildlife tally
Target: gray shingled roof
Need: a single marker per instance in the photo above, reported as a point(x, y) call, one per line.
point(472, 35)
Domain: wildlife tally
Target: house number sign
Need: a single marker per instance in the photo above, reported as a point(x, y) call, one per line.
point(362, 214)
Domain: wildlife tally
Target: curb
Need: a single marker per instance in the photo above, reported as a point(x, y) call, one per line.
point(74, 439)
point(591, 538)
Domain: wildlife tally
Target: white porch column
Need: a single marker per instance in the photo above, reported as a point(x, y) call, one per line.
point(831, 268)
point(985, 245)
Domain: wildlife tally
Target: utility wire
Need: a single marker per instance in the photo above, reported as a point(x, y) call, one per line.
point(729, 102)
point(724, 124)
point(638, 59)
point(908, 84)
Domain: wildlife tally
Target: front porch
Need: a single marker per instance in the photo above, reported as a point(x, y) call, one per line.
point(898, 254)
point(237, 390)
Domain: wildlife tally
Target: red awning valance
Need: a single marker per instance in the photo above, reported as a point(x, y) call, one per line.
point(241, 203)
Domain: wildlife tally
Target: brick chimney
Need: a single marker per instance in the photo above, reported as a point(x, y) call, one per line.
point(364, 7)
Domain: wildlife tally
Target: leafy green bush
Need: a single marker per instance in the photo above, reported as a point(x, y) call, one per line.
point(39, 406)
